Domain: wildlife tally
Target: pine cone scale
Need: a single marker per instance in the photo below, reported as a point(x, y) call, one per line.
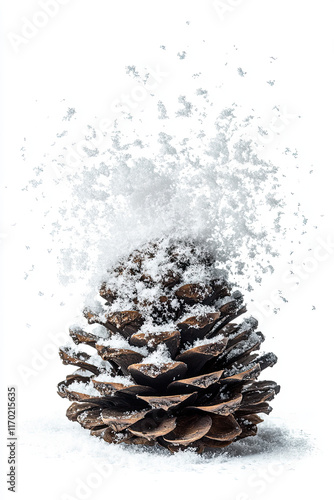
point(169, 402)
point(149, 429)
point(189, 429)
point(223, 408)
point(224, 428)
point(156, 377)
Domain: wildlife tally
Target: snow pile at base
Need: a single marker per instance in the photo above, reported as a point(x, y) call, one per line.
point(274, 441)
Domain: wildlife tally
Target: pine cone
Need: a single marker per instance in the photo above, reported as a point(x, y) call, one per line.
point(171, 367)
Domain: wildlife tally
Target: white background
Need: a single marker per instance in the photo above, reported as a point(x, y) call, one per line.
point(79, 56)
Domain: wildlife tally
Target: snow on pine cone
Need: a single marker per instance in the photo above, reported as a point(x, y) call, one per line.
point(170, 366)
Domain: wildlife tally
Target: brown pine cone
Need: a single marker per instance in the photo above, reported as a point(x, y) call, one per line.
point(171, 366)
